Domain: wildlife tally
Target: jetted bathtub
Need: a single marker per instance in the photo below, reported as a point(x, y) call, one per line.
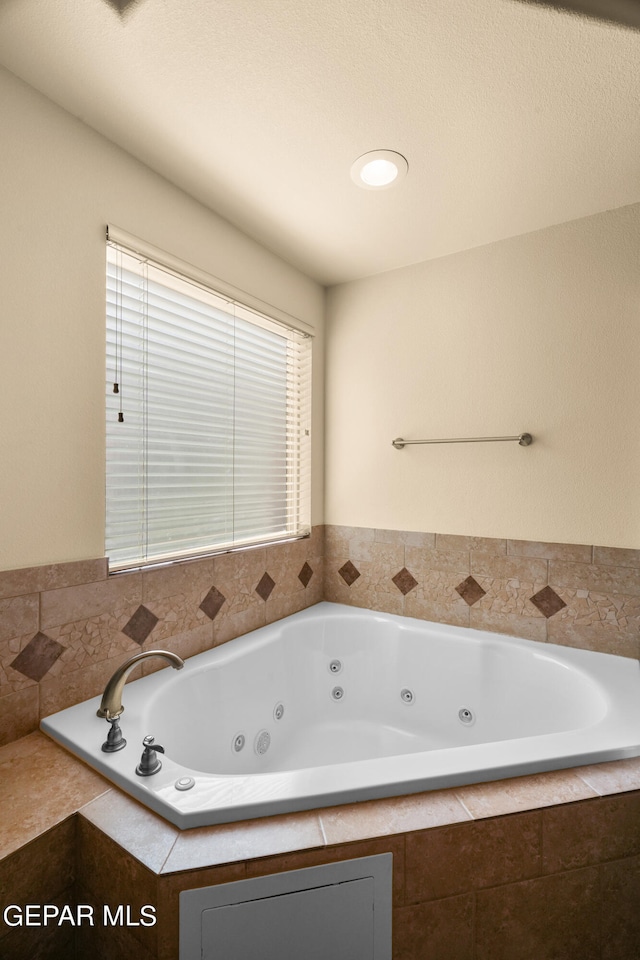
point(336, 704)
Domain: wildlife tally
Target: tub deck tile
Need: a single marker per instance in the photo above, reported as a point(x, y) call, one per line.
point(380, 818)
point(146, 836)
point(233, 842)
point(615, 776)
point(40, 786)
point(523, 793)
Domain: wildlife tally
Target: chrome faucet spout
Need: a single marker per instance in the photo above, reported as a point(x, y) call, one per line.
point(111, 705)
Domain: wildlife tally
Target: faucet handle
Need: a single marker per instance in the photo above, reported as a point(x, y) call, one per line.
point(149, 761)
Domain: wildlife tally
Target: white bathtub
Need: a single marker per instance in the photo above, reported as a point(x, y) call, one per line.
point(336, 704)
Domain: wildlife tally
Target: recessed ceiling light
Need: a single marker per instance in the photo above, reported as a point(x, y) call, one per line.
point(379, 169)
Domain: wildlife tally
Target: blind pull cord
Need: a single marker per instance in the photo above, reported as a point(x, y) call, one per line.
point(118, 371)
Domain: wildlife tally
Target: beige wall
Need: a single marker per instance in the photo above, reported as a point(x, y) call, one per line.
point(61, 184)
point(538, 333)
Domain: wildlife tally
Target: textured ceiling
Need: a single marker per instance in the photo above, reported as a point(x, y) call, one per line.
point(512, 116)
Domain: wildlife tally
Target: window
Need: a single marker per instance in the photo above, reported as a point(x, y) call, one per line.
point(208, 409)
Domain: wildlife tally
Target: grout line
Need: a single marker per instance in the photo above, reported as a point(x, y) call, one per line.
point(322, 830)
point(159, 872)
point(463, 804)
point(592, 786)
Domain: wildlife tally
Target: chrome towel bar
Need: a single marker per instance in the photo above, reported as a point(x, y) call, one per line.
point(524, 439)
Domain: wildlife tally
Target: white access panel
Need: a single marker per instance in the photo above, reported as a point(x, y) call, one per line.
point(340, 911)
point(334, 921)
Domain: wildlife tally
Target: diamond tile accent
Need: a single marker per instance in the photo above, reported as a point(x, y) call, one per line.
point(212, 603)
point(470, 591)
point(349, 573)
point(265, 586)
point(140, 625)
point(38, 657)
point(547, 601)
point(404, 581)
point(305, 575)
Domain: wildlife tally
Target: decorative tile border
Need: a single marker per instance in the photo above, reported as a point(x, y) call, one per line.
point(62, 636)
point(140, 625)
point(64, 628)
point(470, 591)
point(37, 658)
point(212, 603)
point(572, 594)
point(547, 602)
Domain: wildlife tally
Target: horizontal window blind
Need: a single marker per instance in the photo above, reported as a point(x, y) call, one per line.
point(208, 419)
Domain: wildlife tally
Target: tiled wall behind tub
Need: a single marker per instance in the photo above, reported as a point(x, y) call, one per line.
point(65, 628)
point(572, 594)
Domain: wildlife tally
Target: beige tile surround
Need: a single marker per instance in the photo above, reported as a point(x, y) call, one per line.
point(79, 607)
point(542, 867)
point(80, 612)
point(599, 587)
